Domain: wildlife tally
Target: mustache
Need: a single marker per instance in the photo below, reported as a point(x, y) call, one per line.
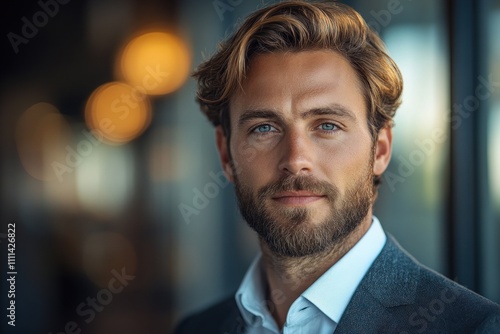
point(298, 183)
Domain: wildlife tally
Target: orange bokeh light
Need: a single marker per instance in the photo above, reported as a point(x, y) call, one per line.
point(118, 112)
point(156, 62)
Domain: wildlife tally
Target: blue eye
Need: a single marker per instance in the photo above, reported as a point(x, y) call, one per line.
point(328, 126)
point(263, 128)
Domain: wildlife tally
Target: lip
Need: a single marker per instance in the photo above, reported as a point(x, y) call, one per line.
point(297, 197)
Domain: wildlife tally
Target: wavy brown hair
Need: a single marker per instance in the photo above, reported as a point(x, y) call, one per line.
point(295, 26)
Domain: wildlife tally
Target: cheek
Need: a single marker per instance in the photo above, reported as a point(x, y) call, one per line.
point(251, 166)
point(346, 164)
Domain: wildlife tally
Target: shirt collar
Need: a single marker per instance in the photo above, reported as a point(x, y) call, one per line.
point(333, 290)
point(330, 293)
point(250, 296)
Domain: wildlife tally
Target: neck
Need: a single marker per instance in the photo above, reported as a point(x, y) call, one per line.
point(287, 278)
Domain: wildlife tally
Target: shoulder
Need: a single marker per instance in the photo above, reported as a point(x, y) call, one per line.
point(440, 299)
point(223, 317)
point(429, 283)
point(432, 301)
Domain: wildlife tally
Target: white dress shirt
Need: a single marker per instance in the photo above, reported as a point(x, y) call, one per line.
point(319, 308)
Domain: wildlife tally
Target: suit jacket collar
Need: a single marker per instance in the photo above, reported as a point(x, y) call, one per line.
point(393, 278)
point(391, 281)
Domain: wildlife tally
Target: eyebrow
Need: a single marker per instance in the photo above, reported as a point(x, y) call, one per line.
point(334, 109)
point(251, 114)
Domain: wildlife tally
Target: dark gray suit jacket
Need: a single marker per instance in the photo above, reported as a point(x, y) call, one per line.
point(397, 295)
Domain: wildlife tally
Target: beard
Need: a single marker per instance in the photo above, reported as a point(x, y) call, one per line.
point(290, 231)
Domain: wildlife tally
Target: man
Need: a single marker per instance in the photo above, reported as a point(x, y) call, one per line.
point(302, 97)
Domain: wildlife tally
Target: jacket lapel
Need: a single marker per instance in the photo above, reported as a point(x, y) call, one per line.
point(391, 281)
point(234, 323)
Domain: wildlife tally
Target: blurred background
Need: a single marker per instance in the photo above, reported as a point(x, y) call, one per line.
point(124, 222)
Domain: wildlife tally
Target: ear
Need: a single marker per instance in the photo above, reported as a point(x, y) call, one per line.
point(383, 150)
point(224, 155)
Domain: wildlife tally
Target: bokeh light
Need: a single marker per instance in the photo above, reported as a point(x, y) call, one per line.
point(156, 63)
point(105, 181)
point(494, 154)
point(118, 112)
point(41, 136)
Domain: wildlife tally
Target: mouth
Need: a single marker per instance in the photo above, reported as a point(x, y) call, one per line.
point(297, 197)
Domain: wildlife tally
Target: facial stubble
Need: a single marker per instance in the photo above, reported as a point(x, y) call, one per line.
point(290, 231)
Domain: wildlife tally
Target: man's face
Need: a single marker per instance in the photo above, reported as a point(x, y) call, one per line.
point(301, 155)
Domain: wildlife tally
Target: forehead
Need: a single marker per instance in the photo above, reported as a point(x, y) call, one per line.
point(296, 81)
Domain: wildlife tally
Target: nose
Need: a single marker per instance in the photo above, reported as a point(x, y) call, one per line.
point(296, 153)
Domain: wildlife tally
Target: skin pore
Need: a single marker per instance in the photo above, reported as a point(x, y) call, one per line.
point(307, 190)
